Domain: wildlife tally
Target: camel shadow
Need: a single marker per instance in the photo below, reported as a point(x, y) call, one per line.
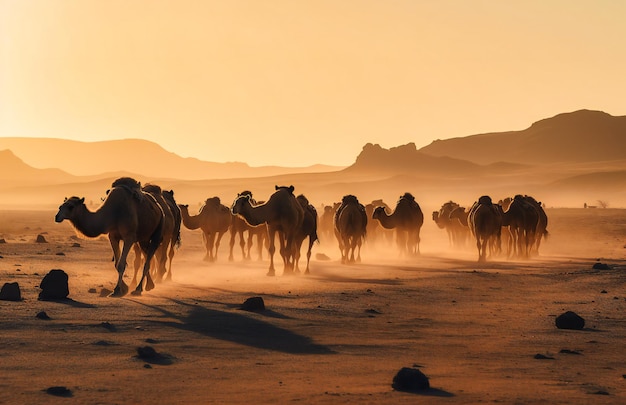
point(242, 329)
point(70, 302)
point(434, 392)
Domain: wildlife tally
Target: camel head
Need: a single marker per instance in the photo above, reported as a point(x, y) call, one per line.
point(290, 188)
point(67, 209)
point(379, 212)
point(240, 202)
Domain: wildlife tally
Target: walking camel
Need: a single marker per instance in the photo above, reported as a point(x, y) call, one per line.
point(239, 226)
point(485, 224)
point(169, 236)
point(213, 219)
point(283, 215)
point(350, 228)
point(407, 219)
point(308, 229)
point(127, 215)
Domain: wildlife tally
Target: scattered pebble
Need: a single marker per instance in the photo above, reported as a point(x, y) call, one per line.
point(59, 391)
point(540, 356)
point(411, 380)
point(567, 351)
point(92, 291)
point(43, 315)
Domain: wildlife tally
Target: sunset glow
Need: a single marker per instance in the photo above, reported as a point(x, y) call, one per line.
point(295, 83)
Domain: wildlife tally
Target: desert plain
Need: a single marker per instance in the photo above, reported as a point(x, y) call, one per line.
point(336, 335)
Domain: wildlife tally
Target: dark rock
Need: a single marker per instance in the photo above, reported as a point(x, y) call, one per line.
point(253, 304)
point(108, 326)
point(2, 240)
point(60, 254)
point(41, 239)
point(105, 292)
point(76, 245)
point(604, 292)
point(570, 320)
point(54, 285)
point(92, 291)
point(410, 380)
point(59, 391)
point(540, 356)
point(43, 315)
point(10, 292)
point(567, 351)
point(601, 266)
point(147, 352)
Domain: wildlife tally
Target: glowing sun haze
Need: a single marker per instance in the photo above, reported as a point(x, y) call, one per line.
point(295, 83)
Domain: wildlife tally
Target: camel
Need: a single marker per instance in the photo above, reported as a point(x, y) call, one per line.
point(213, 219)
point(526, 219)
point(375, 232)
point(127, 215)
point(308, 229)
point(170, 236)
point(485, 223)
point(458, 222)
point(326, 221)
point(283, 215)
point(168, 195)
point(350, 228)
point(407, 219)
point(239, 226)
point(456, 232)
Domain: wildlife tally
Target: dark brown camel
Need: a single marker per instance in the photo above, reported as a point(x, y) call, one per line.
point(170, 238)
point(522, 218)
point(283, 215)
point(213, 219)
point(485, 223)
point(458, 222)
point(326, 222)
point(239, 226)
point(308, 229)
point(168, 195)
point(457, 234)
point(350, 228)
point(407, 219)
point(127, 215)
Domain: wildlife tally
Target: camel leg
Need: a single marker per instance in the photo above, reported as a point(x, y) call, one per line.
point(249, 246)
point(242, 245)
point(217, 243)
point(136, 264)
point(231, 245)
point(271, 250)
point(121, 288)
point(207, 240)
point(170, 255)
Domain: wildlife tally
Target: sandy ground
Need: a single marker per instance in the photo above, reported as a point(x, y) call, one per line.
point(338, 335)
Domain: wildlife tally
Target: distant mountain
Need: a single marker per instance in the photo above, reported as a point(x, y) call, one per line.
point(580, 136)
point(407, 159)
point(134, 156)
point(13, 171)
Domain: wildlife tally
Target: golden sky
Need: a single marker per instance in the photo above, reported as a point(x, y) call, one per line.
point(294, 83)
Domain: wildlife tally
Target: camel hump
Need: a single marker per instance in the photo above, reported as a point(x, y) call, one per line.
point(245, 193)
point(152, 188)
point(349, 199)
point(213, 201)
point(131, 185)
point(485, 199)
point(408, 197)
point(303, 200)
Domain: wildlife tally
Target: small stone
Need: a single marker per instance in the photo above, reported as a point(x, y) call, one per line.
point(540, 356)
point(92, 291)
point(54, 285)
point(10, 292)
point(410, 380)
point(76, 245)
point(147, 352)
point(570, 320)
point(105, 292)
point(253, 304)
point(59, 391)
point(43, 315)
point(41, 239)
point(601, 266)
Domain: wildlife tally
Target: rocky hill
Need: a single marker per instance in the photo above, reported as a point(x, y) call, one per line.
point(579, 136)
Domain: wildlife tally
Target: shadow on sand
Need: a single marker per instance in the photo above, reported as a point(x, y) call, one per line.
point(70, 302)
point(240, 328)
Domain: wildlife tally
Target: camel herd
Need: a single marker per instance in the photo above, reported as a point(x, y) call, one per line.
point(149, 220)
point(520, 222)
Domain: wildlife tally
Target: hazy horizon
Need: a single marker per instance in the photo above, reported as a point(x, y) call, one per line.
point(301, 83)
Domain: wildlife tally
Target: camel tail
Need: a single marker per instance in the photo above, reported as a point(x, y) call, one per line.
point(157, 236)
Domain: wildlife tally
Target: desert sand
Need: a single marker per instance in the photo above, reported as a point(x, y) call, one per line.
point(338, 335)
